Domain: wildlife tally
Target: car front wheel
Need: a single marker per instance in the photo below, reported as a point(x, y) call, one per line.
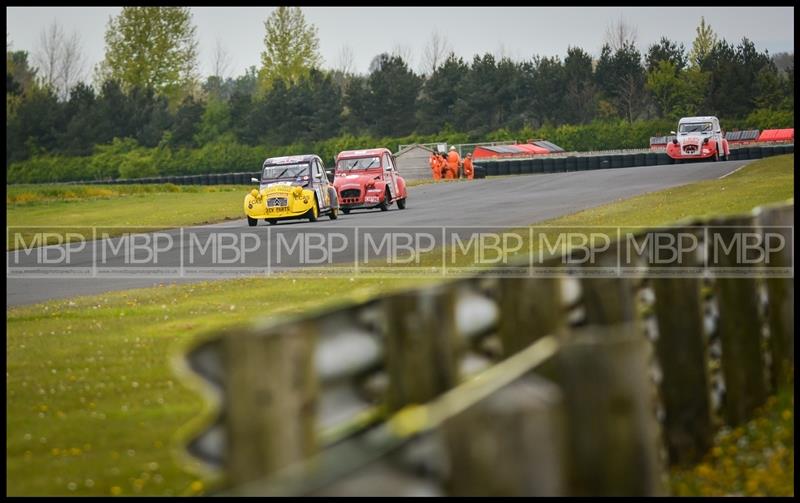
point(313, 212)
point(252, 222)
point(385, 203)
point(401, 203)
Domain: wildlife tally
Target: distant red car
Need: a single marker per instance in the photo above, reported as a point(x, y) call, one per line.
point(368, 179)
point(698, 138)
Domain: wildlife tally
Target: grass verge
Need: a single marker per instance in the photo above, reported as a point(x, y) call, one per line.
point(93, 405)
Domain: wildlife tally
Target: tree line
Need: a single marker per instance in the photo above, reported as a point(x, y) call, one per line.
point(147, 95)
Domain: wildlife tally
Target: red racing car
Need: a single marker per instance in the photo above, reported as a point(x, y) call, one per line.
point(698, 138)
point(368, 179)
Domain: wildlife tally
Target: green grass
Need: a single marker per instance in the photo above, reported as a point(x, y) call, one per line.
point(25, 195)
point(93, 405)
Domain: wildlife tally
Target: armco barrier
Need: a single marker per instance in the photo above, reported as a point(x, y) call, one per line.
point(548, 165)
point(755, 152)
point(640, 160)
point(571, 164)
point(515, 167)
point(526, 166)
point(616, 161)
point(582, 163)
point(651, 159)
point(537, 165)
point(559, 165)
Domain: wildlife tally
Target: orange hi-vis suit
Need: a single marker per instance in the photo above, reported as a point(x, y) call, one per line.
point(452, 164)
point(468, 172)
point(435, 168)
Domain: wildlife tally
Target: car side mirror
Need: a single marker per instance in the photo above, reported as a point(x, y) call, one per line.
point(672, 132)
point(256, 180)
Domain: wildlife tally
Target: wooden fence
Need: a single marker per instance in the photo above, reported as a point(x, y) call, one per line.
point(573, 385)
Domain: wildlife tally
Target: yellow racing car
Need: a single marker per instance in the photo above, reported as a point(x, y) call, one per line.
point(292, 187)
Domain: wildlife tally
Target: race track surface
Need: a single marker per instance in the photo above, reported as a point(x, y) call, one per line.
point(517, 200)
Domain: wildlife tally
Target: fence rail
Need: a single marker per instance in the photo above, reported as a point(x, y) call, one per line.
point(431, 391)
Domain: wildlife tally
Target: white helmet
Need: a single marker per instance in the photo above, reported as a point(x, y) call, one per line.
point(452, 147)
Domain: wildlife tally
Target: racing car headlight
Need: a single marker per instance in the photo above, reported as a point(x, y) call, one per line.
point(298, 191)
point(370, 185)
point(705, 141)
point(254, 193)
point(674, 141)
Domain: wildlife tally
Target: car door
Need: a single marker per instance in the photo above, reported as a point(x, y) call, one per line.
point(320, 185)
point(390, 175)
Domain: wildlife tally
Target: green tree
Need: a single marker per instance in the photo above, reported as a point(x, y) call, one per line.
point(215, 122)
point(621, 77)
point(677, 93)
point(292, 47)
point(152, 47)
point(393, 90)
point(580, 100)
point(666, 50)
point(439, 94)
point(703, 43)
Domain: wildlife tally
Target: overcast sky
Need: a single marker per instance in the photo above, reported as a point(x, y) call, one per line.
point(517, 32)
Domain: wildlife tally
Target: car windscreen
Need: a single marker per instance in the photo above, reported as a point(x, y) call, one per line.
point(695, 127)
point(360, 163)
point(285, 171)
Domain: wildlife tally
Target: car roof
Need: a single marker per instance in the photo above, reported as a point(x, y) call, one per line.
point(362, 153)
point(289, 159)
point(705, 118)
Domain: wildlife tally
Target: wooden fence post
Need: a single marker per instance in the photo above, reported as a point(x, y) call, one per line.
point(509, 444)
point(422, 346)
point(613, 435)
point(271, 388)
point(739, 321)
point(682, 354)
point(608, 301)
point(780, 290)
point(530, 308)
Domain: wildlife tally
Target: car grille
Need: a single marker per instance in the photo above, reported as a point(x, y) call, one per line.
point(690, 149)
point(277, 201)
point(348, 193)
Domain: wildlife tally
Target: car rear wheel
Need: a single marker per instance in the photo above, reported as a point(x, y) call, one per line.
point(252, 222)
point(401, 203)
point(346, 211)
point(271, 222)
